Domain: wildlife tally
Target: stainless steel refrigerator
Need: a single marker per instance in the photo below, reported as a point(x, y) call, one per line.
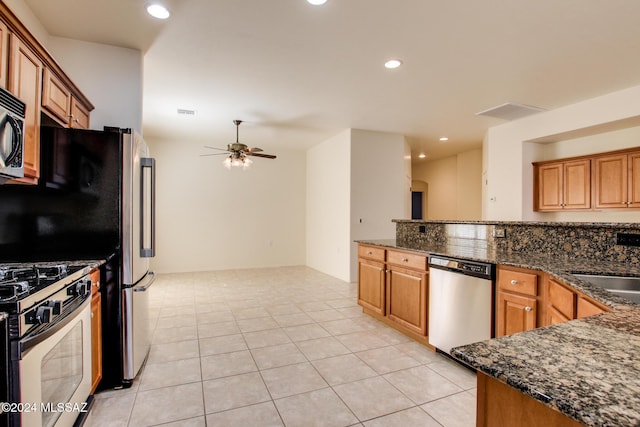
point(95, 200)
point(138, 245)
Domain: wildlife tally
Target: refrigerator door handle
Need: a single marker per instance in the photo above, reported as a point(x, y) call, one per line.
point(148, 207)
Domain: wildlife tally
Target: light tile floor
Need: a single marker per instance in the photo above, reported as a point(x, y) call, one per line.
point(281, 347)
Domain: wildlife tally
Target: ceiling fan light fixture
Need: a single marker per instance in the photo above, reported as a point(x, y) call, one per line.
point(158, 11)
point(237, 160)
point(316, 2)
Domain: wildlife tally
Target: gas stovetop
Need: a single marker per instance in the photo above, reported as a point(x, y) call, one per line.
point(23, 284)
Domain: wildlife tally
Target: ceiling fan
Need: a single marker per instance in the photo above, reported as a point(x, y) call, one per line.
point(237, 152)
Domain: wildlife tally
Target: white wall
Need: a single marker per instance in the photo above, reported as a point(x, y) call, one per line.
point(379, 188)
point(111, 77)
point(328, 206)
point(469, 179)
point(211, 218)
point(455, 186)
point(508, 193)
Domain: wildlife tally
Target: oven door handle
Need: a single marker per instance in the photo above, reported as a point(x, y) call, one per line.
point(27, 343)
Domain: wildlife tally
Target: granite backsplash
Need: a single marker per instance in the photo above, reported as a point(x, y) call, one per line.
point(596, 241)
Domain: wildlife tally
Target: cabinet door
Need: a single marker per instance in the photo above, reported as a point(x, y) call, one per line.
point(587, 308)
point(633, 180)
point(549, 187)
point(407, 299)
point(96, 341)
point(4, 54)
point(611, 181)
point(79, 115)
point(577, 185)
point(516, 313)
point(56, 98)
point(25, 81)
point(371, 281)
point(561, 303)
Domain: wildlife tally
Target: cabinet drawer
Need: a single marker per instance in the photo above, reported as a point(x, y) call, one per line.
point(517, 281)
point(371, 252)
point(404, 259)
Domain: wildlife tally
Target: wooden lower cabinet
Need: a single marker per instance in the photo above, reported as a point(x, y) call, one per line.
point(500, 405)
point(371, 285)
point(407, 298)
point(561, 303)
point(96, 331)
point(515, 313)
point(587, 307)
point(393, 288)
point(517, 295)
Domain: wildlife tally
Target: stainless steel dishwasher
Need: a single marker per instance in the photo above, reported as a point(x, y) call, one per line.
point(461, 302)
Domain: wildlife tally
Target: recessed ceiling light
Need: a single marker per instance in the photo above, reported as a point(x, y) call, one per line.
point(393, 63)
point(444, 138)
point(158, 11)
point(316, 2)
point(422, 155)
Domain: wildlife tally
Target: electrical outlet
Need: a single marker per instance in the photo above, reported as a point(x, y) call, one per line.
point(627, 239)
point(499, 233)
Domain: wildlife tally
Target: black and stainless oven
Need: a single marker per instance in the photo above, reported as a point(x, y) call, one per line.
point(49, 329)
point(12, 112)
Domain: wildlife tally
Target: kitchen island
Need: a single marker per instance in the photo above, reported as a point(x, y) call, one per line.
point(584, 371)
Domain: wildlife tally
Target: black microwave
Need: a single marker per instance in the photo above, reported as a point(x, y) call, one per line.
point(12, 112)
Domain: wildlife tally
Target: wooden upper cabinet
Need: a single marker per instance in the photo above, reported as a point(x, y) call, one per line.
point(577, 184)
point(549, 187)
point(617, 181)
point(563, 185)
point(611, 181)
point(79, 115)
point(60, 104)
point(56, 98)
point(600, 181)
point(25, 82)
point(4, 54)
point(633, 181)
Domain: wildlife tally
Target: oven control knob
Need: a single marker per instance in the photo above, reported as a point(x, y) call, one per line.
point(44, 314)
point(82, 288)
point(56, 306)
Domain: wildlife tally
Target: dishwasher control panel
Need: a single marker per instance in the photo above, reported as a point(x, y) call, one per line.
point(462, 266)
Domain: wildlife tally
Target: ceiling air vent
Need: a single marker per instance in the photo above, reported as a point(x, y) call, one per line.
point(185, 112)
point(510, 111)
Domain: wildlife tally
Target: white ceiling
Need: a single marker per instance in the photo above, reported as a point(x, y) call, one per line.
point(298, 74)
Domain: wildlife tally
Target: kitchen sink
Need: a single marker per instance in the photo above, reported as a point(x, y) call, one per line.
point(626, 287)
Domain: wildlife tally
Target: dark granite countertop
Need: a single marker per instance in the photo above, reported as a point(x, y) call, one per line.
point(560, 268)
point(588, 369)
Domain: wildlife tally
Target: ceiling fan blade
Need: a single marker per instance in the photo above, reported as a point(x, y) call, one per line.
point(215, 148)
point(253, 150)
point(266, 156)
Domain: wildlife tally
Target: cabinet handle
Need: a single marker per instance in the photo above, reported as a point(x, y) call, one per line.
point(405, 260)
point(514, 282)
point(369, 253)
point(528, 309)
